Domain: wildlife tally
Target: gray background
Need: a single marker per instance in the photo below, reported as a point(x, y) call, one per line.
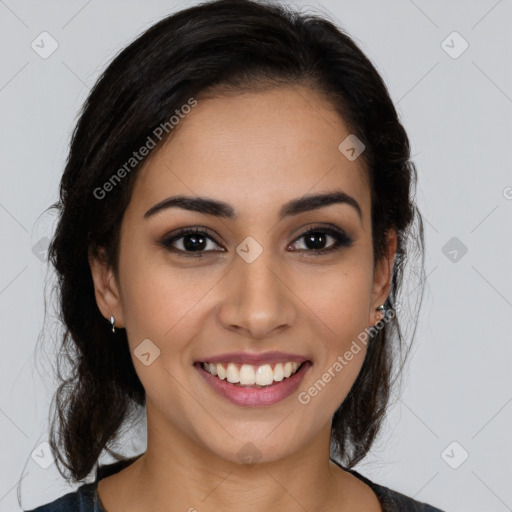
point(457, 112)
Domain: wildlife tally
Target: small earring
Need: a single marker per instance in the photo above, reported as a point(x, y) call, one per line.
point(112, 321)
point(380, 309)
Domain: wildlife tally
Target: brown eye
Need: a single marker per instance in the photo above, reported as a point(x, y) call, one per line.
point(190, 242)
point(316, 239)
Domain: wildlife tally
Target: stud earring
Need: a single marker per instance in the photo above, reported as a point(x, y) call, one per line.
point(112, 322)
point(380, 313)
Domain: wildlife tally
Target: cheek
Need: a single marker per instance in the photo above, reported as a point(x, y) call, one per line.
point(338, 298)
point(158, 295)
point(333, 376)
point(338, 304)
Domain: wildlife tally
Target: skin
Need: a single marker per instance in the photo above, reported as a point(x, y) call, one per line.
point(255, 151)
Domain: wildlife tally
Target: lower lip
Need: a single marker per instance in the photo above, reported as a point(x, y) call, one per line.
point(255, 397)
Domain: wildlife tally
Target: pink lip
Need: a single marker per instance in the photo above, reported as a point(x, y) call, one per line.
point(251, 396)
point(254, 359)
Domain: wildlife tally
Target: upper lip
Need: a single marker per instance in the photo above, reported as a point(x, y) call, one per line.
point(254, 358)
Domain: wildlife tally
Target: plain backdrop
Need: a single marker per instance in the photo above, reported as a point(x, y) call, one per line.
point(448, 69)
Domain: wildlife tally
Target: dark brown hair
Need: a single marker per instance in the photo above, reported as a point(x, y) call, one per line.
point(241, 46)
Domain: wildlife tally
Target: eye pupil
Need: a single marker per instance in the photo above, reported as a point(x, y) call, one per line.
point(315, 240)
point(194, 242)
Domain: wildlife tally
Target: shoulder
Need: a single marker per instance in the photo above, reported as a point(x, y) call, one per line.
point(81, 500)
point(399, 502)
point(394, 501)
point(390, 500)
point(85, 498)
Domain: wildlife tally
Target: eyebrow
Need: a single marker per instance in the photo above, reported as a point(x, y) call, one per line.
point(217, 208)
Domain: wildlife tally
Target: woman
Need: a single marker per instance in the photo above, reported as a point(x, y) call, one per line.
point(234, 216)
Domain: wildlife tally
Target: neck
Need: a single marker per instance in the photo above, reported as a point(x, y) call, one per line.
point(179, 474)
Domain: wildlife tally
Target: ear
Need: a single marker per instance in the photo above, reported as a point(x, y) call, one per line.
point(382, 276)
point(106, 288)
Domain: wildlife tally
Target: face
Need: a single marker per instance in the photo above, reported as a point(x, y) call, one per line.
point(260, 275)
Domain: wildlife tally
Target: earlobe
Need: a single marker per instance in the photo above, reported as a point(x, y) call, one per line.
point(105, 289)
point(383, 277)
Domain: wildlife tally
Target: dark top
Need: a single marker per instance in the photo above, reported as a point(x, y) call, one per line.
point(86, 499)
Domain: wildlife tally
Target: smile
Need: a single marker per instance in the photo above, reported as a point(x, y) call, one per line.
point(250, 375)
point(265, 385)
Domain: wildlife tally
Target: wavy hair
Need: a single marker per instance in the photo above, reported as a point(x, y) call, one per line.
point(240, 46)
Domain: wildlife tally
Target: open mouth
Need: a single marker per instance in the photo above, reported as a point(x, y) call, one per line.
point(257, 385)
point(252, 376)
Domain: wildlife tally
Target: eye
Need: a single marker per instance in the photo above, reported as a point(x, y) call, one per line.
point(195, 242)
point(316, 238)
point(191, 242)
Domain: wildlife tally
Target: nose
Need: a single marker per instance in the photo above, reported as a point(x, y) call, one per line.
point(258, 300)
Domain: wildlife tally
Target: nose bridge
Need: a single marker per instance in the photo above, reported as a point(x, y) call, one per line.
point(259, 277)
point(257, 300)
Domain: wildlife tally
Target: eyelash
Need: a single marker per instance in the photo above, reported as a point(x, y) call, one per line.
point(341, 241)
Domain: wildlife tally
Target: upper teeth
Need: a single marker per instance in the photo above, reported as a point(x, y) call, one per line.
point(248, 375)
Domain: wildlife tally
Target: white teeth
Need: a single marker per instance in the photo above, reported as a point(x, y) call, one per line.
point(221, 372)
point(278, 372)
point(249, 375)
point(232, 374)
point(264, 375)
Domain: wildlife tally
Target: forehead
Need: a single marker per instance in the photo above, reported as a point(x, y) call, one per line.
point(254, 150)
